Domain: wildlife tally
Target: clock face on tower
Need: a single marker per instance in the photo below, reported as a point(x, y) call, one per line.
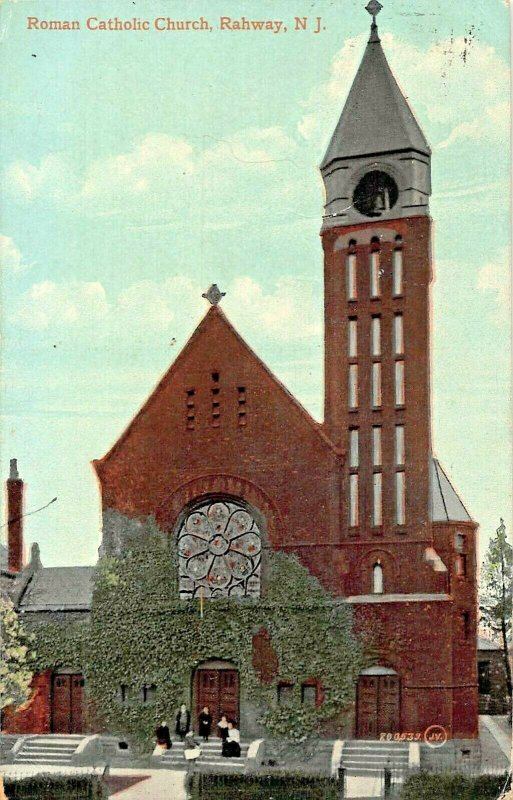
point(375, 194)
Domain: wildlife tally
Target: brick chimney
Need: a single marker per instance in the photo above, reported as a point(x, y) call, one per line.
point(15, 488)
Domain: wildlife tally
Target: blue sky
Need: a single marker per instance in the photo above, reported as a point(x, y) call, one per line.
point(138, 168)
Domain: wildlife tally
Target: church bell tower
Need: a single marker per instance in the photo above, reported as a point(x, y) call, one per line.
point(376, 236)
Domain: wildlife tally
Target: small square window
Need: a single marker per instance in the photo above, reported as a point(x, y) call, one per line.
point(285, 694)
point(309, 695)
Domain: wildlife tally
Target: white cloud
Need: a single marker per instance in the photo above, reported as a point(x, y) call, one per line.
point(495, 277)
point(11, 258)
point(52, 305)
point(171, 307)
point(155, 177)
point(459, 84)
point(53, 177)
point(287, 312)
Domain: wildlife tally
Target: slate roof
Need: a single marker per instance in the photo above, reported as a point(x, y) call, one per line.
point(446, 506)
point(376, 117)
point(486, 644)
point(59, 589)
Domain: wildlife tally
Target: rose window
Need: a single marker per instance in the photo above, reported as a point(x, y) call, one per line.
point(219, 550)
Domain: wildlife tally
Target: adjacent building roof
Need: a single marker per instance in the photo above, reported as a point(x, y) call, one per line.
point(59, 589)
point(446, 506)
point(376, 117)
point(486, 644)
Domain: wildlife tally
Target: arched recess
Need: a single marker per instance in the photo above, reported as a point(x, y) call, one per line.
point(387, 562)
point(169, 511)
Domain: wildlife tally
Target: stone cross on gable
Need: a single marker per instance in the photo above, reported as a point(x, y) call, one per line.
point(214, 295)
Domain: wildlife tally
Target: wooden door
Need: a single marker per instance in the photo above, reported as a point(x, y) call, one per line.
point(229, 693)
point(76, 690)
point(219, 690)
point(367, 707)
point(388, 704)
point(378, 705)
point(67, 693)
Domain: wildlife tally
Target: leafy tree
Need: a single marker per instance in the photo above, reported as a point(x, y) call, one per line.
point(496, 593)
point(15, 674)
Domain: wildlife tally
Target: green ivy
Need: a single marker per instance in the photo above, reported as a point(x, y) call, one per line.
point(141, 633)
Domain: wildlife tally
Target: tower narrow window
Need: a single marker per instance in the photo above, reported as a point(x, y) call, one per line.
point(375, 274)
point(376, 336)
point(351, 277)
point(399, 445)
point(397, 268)
point(377, 498)
point(398, 335)
point(241, 406)
point(353, 386)
point(466, 624)
point(376, 384)
point(190, 409)
point(353, 500)
point(353, 338)
point(216, 400)
point(377, 455)
point(377, 578)
point(399, 383)
point(400, 509)
point(354, 456)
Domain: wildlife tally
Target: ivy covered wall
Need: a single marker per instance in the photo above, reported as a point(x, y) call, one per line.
point(141, 634)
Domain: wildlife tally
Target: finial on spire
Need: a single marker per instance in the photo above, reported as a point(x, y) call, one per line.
point(214, 295)
point(374, 7)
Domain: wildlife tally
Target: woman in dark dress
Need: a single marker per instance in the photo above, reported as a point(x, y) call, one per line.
point(183, 721)
point(205, 723)
point(222, 728)
point(163, 737)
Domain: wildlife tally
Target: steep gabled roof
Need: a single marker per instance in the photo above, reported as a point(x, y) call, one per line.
point(59, 589)
point(216, 314)
point(446, 506)
point(376, 117)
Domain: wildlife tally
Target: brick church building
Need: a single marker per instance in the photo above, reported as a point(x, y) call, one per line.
point(229, 463)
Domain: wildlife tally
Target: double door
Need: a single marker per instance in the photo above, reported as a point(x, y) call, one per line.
point(67, 702)
point(219, 690)
point(378, 705)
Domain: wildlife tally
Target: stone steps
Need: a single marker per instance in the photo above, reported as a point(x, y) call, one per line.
point(51, 749)
point(366, 757)
point(210, 759)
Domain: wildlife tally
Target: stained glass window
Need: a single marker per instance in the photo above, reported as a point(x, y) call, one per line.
point(219, 547)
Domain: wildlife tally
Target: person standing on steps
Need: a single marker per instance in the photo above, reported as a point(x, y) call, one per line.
point(183, 721)
point(222, 728)
point(205, 723)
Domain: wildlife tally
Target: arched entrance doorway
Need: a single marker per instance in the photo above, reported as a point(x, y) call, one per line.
point(378, 702)
point(216, 685)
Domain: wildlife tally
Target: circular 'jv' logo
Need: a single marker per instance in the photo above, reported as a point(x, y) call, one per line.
point(435, 736)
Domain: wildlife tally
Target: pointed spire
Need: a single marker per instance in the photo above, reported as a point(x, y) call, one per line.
point(376, 117)
point(373, 7)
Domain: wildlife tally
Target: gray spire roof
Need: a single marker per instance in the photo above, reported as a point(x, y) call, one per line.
point(446, 506)
point(376, 117)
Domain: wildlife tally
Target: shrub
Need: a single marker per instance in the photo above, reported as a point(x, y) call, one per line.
point(427, 785)
point(55, 787)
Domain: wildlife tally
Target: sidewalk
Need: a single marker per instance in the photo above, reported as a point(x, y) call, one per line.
point(159, 784)
point(500, 733)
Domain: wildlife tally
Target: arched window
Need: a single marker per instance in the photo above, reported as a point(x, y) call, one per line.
point(219, 550)
point(377, 578)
